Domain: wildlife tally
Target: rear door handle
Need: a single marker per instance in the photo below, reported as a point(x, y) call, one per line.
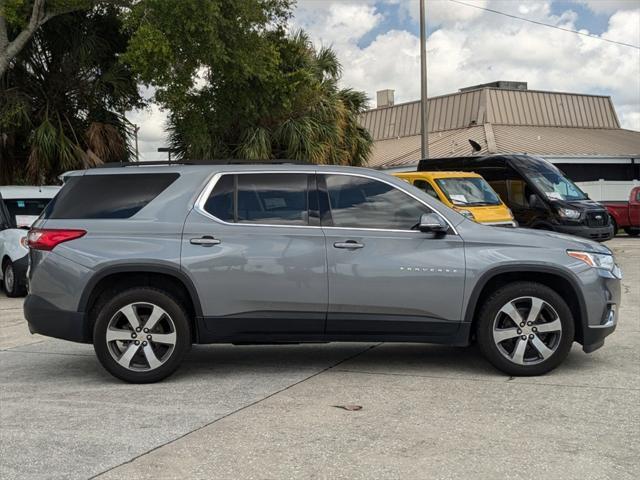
point(349, 244)
point(206, 241)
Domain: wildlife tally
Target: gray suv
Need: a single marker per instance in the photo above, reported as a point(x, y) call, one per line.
point(144, 261)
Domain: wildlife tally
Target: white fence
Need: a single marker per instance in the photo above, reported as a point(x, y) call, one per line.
point(608, 190)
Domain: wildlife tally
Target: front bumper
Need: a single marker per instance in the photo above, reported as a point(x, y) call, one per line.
point(47, 319)
point(599, 234)
point(603, 304)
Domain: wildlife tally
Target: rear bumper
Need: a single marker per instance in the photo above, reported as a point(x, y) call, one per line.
point(47, 319)
point(592, 233)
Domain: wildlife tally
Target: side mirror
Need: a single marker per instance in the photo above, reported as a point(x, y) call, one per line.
point(432, 223)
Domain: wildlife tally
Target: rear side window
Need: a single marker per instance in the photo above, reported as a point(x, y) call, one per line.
point(265, 198)
point(107, 196)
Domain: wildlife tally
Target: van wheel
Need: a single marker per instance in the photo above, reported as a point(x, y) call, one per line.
point(525, 329)
point(141, 335)
point(10, 282)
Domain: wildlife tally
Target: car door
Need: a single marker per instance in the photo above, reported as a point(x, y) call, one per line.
point(385, 278)
point(256, 254)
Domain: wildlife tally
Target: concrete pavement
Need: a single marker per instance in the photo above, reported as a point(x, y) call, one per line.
point(269, 412)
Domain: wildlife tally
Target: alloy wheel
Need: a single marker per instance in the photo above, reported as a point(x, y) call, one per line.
point(527, 330)
point(141, 336)
point(9, 278)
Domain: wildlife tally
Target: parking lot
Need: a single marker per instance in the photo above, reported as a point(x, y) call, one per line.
point(273, 411)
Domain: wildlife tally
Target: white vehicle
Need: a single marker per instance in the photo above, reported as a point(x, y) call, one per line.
point(19, 208)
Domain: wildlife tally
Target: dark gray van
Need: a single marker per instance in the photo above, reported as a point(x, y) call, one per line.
point(538, 193)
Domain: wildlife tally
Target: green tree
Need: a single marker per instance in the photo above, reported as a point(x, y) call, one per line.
point(238, 86)
point(63, 98)
point(25, 18)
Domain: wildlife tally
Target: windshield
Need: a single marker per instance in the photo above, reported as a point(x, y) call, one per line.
point(25, 211)
point(557, 187)
point(551, 181)
point(468, 191)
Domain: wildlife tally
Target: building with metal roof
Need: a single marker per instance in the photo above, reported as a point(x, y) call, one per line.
point(503, 117)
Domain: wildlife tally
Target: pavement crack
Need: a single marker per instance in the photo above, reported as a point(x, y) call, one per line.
point(238, 410)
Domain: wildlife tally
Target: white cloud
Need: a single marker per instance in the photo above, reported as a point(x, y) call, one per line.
point(485, 47)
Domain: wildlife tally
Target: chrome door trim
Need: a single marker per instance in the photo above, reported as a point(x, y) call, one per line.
point(211, 183)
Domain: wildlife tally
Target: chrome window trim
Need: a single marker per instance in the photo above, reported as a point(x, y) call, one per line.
point(211, 183)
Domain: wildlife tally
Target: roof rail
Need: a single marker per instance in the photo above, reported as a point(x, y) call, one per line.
point(232, 161)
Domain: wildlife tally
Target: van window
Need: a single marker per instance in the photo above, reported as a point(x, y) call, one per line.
point(426, 187)
point(359, 202)
point(514, 193)
point(265, 198)
point(107, 196)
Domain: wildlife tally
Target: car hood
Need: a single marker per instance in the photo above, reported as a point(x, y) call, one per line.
point(587, 204)
point(474, 232)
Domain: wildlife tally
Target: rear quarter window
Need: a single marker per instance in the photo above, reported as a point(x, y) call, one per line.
point(107, 196)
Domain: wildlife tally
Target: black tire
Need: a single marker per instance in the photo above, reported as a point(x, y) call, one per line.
point(615, 226)
point(632, 232)
point(105, 312)
point(12, 285)
point(518, 292)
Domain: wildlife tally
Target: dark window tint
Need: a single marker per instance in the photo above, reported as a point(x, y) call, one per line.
point(107, 196)
point(426, 187)
point(358, 202)
point(267, 198)
point(220, 202)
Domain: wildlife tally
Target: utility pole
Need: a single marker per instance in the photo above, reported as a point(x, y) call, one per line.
point(424, 107)
point(136, 128)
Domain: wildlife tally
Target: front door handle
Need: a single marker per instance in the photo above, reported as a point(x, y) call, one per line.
point(349, 244)
point(206, 241)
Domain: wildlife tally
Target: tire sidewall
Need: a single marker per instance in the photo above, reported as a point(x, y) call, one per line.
point(14, 291)
point(510, 292)
point(105, 311)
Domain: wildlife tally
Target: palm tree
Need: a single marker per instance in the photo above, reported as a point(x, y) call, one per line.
point(299, 112)
point(62, 99)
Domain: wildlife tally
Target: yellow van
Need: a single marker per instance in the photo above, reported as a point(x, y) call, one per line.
point(465, 192)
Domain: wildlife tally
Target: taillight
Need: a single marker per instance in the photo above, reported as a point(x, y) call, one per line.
point(49, 238)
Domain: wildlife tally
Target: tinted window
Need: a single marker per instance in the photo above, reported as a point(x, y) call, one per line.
point(107, 196)
point(220, 202)
point(359, 202)
point(426, 187)
point(271, 198)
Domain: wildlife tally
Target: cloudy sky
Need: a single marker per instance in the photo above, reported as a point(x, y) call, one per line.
point(378, 45)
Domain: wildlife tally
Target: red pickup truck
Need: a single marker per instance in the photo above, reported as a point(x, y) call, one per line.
point(626, 215)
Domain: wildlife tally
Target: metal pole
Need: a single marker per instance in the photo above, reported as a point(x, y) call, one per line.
point(424, 110)
point(135, 129)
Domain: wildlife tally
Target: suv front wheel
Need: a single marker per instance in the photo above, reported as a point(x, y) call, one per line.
point(525, 328)
point(141, 335)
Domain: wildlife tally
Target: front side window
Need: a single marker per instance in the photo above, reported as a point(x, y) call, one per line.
point(263, 198)
point(426, 188)
point(359, 202)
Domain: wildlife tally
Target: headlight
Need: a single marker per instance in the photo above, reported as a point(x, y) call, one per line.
point(569, 213)
point(467, 214)
point(595, 260)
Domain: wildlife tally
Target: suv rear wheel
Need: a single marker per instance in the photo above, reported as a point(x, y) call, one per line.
point(141, 335)
point(525, 328)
